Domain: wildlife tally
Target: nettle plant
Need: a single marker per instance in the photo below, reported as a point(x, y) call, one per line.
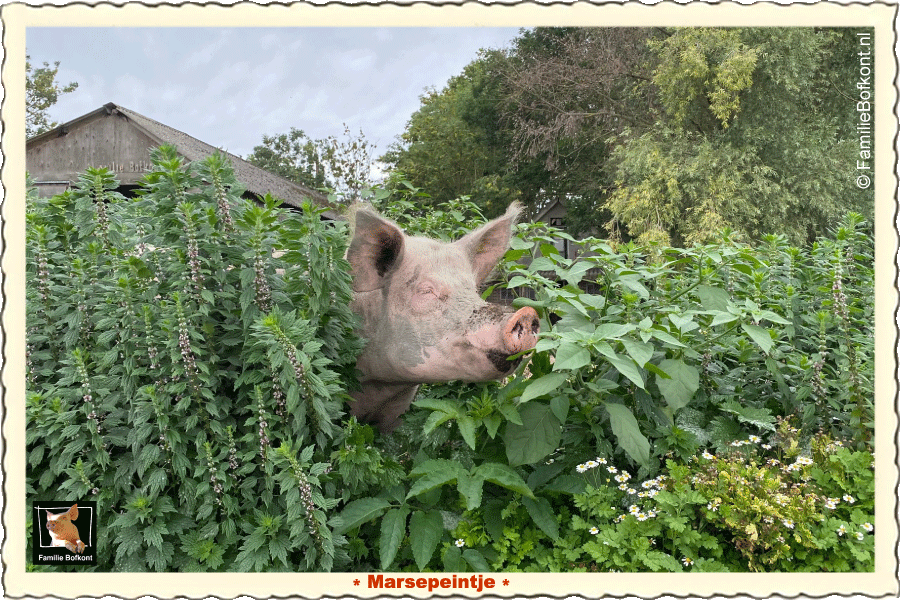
point(179, 379)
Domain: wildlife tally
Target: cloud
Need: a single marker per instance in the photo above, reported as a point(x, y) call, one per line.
point(229, 87)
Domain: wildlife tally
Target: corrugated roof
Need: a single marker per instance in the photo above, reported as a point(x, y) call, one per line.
point(256, 180)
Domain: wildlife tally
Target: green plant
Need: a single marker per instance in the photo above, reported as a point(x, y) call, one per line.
point(189, 355)
point(174, 372)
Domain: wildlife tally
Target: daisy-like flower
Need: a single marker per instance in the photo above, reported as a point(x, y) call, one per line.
point(594, 531)
point(737, 443)
point(868, 527)
point(803, 460)
point(634, 509)
point(652, 493)
point(581, 468)
point(620, 518)
point(831, 503)
point(651, 513)
point(841, 530)
point(642, 494)
point(591, 464)
point(641, 516)
point(788, 523)
point(712, 507)
point(754, 439)
point(649, 484)
point(460, 543)
point(623, 487)
point(849, 499)
point(860, 535)
point(601, 461)
point(766, 446)
point(687, 561)
point(612, 469)
point(631, 491)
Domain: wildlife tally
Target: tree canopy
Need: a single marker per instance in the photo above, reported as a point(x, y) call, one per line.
point(342, 165)
point(667, 134)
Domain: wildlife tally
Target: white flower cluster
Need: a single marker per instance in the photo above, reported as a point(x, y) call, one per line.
point(802, 461)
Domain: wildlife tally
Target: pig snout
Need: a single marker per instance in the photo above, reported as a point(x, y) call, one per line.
point(520, 331)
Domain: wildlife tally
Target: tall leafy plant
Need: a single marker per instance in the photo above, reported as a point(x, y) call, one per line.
point(182, 375)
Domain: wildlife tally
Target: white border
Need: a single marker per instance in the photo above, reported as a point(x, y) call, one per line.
point(16, 17)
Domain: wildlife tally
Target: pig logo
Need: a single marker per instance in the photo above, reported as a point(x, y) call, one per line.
point(422, 317)
point(63, 531)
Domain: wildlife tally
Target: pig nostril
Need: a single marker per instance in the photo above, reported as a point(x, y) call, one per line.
point(518, 330)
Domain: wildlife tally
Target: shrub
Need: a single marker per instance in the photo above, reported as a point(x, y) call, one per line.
point(179, 380)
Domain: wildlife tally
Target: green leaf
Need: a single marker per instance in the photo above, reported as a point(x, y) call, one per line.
point(641, 352)
point(360, 511)
point(543, 515)
point(503, 476)
point(773, 317)
point(628, 433)
point(537, 436)
point(543, 385)
point(393, 528)
point(683, 382)
point(452, 559)
point(720, 318)
point(467, 429)
point(425, 531)
point(476, 560)
point(560, 407)
point(759, 335)
point(626, 367)
point(470, 485)
point(713, 298)
point(571, 356)
point(442, 472)
point(758, 417)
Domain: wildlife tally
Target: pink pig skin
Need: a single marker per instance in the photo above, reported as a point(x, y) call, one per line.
point(422, 317)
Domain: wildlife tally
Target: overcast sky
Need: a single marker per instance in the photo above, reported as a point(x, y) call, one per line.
point(229, 86)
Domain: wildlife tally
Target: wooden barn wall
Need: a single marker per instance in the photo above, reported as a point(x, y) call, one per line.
point(109, 142)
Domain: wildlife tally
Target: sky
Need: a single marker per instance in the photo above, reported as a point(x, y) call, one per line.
point(230, 86)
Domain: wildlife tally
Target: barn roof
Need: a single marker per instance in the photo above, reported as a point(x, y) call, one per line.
point(254, 179)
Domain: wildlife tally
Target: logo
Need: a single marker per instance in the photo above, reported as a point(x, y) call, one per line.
point(64, 533)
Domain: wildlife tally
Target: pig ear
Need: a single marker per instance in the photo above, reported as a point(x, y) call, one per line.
point(486, 245)
point(375, 250)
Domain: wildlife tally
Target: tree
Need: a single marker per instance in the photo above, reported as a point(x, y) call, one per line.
point(293, 156)
point(457, 144)
point(568, 90)
point(749, 136)
point(348, 163)
point(344, 166)
point(41, 92)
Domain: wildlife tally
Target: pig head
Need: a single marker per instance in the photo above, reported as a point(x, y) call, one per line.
point(422, 317)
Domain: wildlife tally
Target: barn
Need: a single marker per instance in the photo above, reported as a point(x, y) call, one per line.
point(120, 139)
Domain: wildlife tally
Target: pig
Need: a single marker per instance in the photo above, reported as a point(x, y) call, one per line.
point(421, 315)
